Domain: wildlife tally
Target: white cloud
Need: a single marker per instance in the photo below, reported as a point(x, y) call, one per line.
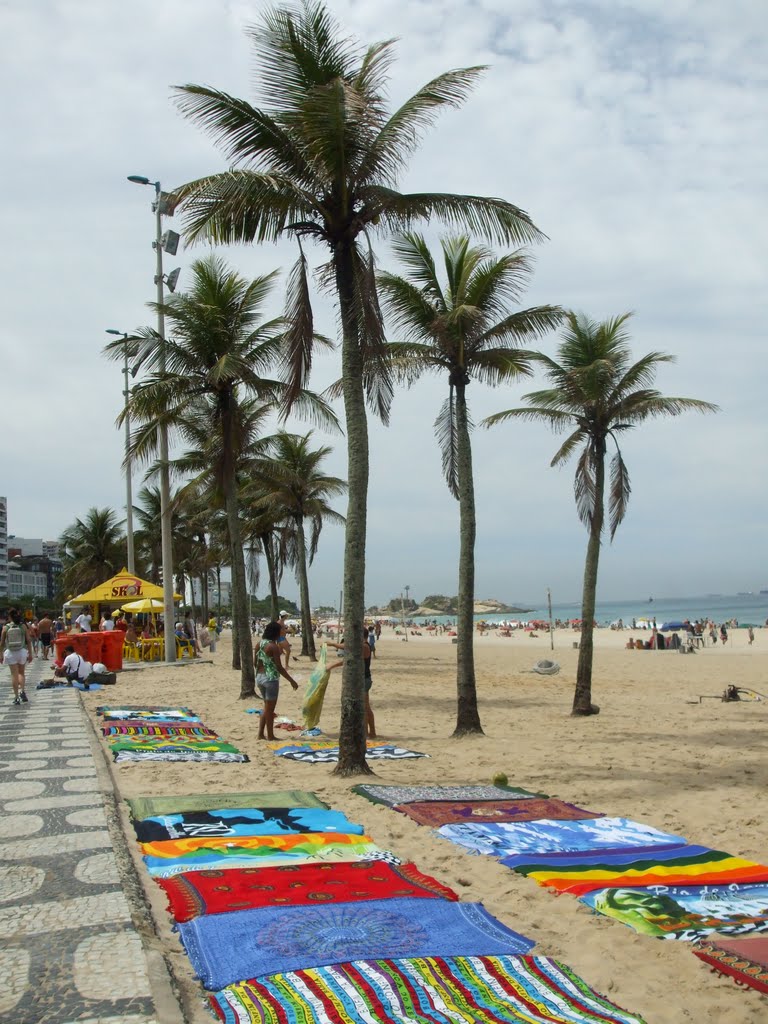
point(634, 135)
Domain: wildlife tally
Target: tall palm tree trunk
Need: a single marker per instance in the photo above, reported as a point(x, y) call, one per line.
point(239, 589)
point(269, 557)
point(352, 725)
point(204, 597)
point(467, 715)
point(582, 698)
point(307, 636)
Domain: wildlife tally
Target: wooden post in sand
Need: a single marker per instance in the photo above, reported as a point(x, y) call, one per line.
point(551, 633)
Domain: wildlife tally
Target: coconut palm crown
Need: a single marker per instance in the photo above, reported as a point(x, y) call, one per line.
point(597, 393)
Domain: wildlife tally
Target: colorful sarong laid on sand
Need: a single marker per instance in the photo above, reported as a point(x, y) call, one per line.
point(202, 756)
point(237, 856)
point(744, 960)
point(150, 806)
point(225, 948)
point(228, 822)
point(315, 756)
point(146, 713)
point(686, 912)
point(450, 990)
point(317, 684)
point(193, 731)
point(552, 836)
point(217, 892)
point(437, 813)
point(173, 848)
point(166, 743)
point(391, 796)
point(687, 868)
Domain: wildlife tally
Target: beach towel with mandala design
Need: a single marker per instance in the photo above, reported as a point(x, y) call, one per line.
point(429, 990)
point(314, 756)
point(201, 756)
point(392, 795)
point(225, 948)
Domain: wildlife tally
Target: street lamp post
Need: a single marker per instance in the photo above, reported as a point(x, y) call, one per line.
point(130, 553)
point(166, 539)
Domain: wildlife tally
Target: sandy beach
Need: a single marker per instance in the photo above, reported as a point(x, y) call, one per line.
point(695, 769)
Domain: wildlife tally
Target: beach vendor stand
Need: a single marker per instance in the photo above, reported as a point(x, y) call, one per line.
point(123, 588)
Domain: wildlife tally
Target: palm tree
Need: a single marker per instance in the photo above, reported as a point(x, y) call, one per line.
point(597, 393)
point(215, 361)
point(321, 158)
point(462, 328)
point(93, 550)
point(264, 528)
point(293, 481)
point(147, 536)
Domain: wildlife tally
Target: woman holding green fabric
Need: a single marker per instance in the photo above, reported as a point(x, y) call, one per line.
point(269, 668)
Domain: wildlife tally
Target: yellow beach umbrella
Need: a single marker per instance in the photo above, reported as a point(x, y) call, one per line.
point(146, 604)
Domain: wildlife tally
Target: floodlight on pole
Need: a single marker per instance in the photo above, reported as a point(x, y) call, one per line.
point(166, 539)
point(130, 553)
point(172, 279)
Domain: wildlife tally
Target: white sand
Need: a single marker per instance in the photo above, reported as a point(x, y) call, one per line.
point(694, 769)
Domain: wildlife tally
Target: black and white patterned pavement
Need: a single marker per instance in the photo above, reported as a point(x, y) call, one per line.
point(69, 950)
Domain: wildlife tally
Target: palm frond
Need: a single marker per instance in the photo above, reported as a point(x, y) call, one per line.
point(619, 493)
point(299, 48)
point(399, 137)
point(494, 366)
point(377, 373)
point(446, 433)
point(569, 446)
point(413, 252)
point(524, 325)
point(248, 136)
point(584, 486)
point(552, 417)
point(495, 219)
point(241, 206)
point(299, 335)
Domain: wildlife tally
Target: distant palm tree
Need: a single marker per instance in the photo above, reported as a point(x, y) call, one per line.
point(217, 355)
point(93, 550)
point(597, 393)
point(293, 482)
point(264, 525)
point(464, 329)
point(322, 158)
point(147, 534)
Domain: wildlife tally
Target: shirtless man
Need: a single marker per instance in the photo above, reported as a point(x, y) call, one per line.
point(45, 635)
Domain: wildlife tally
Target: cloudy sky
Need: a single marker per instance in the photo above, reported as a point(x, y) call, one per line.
point(634, 134)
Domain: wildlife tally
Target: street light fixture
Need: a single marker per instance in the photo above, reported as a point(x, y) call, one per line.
point(162, 205)
point(131, 559)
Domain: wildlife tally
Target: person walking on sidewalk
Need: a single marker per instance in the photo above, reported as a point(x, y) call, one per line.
point(16, 644)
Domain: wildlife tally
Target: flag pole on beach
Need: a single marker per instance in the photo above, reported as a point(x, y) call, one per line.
point(551, 633)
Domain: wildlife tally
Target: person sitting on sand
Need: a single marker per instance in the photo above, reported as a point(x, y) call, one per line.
point(369, 719)
point(269, 668)
point(630, 644)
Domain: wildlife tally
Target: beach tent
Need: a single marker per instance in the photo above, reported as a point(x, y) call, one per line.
point(125, 586)
point(667, 627)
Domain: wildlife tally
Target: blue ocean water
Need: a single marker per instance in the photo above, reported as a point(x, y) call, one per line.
point(745, 608)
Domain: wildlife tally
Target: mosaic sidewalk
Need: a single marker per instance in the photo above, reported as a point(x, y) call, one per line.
point(70, 952)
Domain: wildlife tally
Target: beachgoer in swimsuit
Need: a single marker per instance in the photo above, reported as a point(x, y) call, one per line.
point(269, 668)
